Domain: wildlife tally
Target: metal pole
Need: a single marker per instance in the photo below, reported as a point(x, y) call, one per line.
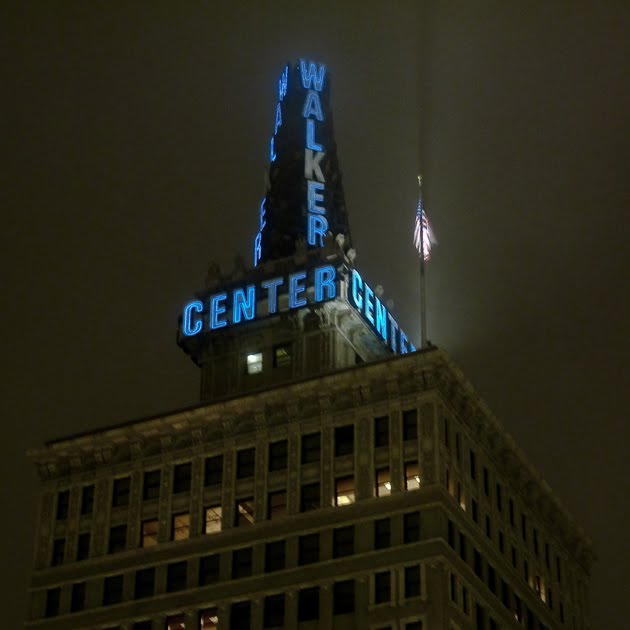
point(423, 299)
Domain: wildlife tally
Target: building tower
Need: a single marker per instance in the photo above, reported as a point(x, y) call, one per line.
point(332, 476)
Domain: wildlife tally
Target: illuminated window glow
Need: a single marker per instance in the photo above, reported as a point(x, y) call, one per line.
point(150, 533)
point(181, 526)
point(383, 482)
point(412, 476)
point(254, 363)
point(344, 491)
point(213, 519)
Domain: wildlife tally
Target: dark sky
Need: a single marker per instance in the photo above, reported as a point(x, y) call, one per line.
point(134, 149)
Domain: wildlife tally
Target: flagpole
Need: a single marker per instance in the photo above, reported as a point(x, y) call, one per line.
point(423, 298)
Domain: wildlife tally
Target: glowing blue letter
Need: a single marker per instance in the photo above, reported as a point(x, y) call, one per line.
point(187, 328)
point(357, 286)
point(257, 251)
point(317, 226)
point(394, 328)
point(369, 305)
point(312, 164)
point(310, 136)
point(313, 197)
point(282, 83)
point(325, 278)
point(315, 75)
point(272, 287)
point(242, 305)
point(312, 106)
point(263, 211)
point(217, 309)
point(403, 343)
point(295, 289)
point(278, 119)
point(272, 151)
point(381, 319)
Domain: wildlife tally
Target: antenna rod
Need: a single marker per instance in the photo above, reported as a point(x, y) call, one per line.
point(423, 298)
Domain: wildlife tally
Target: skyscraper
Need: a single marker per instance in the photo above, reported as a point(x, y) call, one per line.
point(331, 477)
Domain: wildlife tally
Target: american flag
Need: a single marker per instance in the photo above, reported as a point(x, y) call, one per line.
point(423, 237)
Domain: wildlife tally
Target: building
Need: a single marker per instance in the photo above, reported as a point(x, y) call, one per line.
point(332, 476)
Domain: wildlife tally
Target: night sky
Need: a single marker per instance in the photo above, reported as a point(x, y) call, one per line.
point(133, 153)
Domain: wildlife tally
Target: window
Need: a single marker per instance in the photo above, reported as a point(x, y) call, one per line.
point(499, 498)
point(176, 576)
point(87, 500)
point(501, 542)
point(209, 569)
point(241, 563)
point(112, 590)
point(381, 431)
point(473, 465)
point(344, 440)
point(343, 541)
point(475, 511)
point(151, 485)
point(181, 526)
point(309, 497)
point(453, 589)
point(277, 504)
point(53, 595)
point(209, 619)
point(477, 564)
point(275, 556)
point(83, 546)
point(181, 478)
point(382, 533)
point(535, 536)
point(480, 616)
point(547, 564)
point(311, 445)
point(505, 594)
point(143, 625)
point(240, 615)
point(344, 491)
point(410, 424)
point(117, 538)
point(486, 482)
point(514, 558)
point(343, 597)
point(176, 622)
point(383, 482)
point(458, 448)
point(213, 471)
point(63, 503)
point(213, 515)
point(465, 600)
point(120, 494)
point(77, 599)
point(254, 363)
point(308, 604)
point(412, 581)
point(412, 476)
point(488, 527)
point(273, 611)
point(524, 527)
point(278, 455)
point(492, 579)
point(511, 505)
point(145, 583)
point(282, 356)
point(558, 571)
point(382, 587)
point(411, 527)
point(308, 549)
point(245, 463)
point(414, 625)
point(451, 534)
point(150, 532)
point(526, 570)
point(244, 512)
point(58, 551)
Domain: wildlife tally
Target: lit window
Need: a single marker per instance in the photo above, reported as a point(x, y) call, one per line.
point(383, 482)
point(150, 533)
point(209, 619)
point(282, 356)
point(254, 363)
point(244, 514)
point(181, 526)
point(344, 491)
point(177, 622)
point(412, 476)
point(213, 519)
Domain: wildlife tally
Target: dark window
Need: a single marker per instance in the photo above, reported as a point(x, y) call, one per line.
point(53, 595)
point(501, 542)
point(382, 533)
point(343, 541)
point(526, 570)
point(511, 505)
point(473, 465)
point(245, 463)
point(308, 604)
point(558, 571)
point(83, 546)
point(343, 597)
point(486, 482)
point(477, 564)
point(278, 455)
point(414, 625)
point(381, 431)
point(149, 532)
point(112, 590)
point(492, 579)
point(524, 527)
point(458, 448)
point(475, 511)
point(410, 424)
point(87, 500)
point(213, 471)
point(58, 551)
point(480, 615)
point(550, 598)
point(446, 433)
point(411, 527)
point(514, 558)
point(244, 512)
point(77, 601)
point(151, 485)
point(209, 569)
point(120, 494)
point(453, 589)
point(241, 563)
point(462, 546)
point(143, 625)
point(465, 600)
point(505, 594)
point(412, 581)
point(273, 612)
point(561, 612)
point(63, 502)
point(182, 474)
point(117, 538)
point(493, 624)
point(535, 535)
point(145, 583)
point(344, 440)
point(547, 555)
point(311, 445)
point(176, 576)
point(488, 527)
point(309, 497)
point(308, 549)
point(451, 534)
point(277, 504)
point(275, 556)
point(240, 616)
point(382, 587)
point(282, 355)
point(499, 498)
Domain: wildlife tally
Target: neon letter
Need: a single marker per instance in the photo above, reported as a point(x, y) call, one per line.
point(357, 286)
point(242, 305)
point(315, 75)
point(403, 343)
point(313, 197)
point(313, 106)
point(187, 328)
point(272, 151)
point(381, 319)
point(310, 136)
point(317, 226)
point(282, 83)
point(325, 278)
point(263, 212)
point(272, 289)
point(257, 250)
point(312, 164)
point(217, 309)
point(278, 119)
point(394, 328)
point(295, 289)
point(369, 305)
